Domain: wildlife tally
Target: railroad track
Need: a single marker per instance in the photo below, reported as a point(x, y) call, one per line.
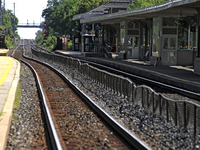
point(183, 110)
point(32, 43)
point(68, 113)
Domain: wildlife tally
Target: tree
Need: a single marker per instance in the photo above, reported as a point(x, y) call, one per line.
point(8, 24)
point(144, 3)
point(59, 13)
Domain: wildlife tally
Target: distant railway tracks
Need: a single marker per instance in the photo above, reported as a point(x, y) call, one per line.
point(72, 122)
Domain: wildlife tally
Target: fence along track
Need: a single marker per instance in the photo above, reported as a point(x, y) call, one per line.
point(181, 112)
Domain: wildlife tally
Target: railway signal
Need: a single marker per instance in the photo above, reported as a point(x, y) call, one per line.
point(45, 29)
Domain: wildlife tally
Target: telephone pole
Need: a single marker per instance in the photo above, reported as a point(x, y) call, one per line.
point(0, 12)
point(14, 24)
point(3, 11)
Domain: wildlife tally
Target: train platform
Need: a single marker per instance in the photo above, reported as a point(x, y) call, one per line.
point(179, 76)
point(3, 52)
point(9, 77)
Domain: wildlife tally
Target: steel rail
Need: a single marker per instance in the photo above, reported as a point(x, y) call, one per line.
point(131, 138)
point(52, 134)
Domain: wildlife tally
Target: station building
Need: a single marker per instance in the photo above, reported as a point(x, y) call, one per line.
point(168, 33)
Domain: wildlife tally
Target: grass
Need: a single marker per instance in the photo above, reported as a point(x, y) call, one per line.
point(1, 113)
point(17, 97)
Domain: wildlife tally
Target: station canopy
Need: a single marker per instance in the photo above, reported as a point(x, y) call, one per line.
point(172, 8)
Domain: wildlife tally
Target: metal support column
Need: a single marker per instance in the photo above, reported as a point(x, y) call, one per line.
point(0, 13)
point(14, 24)
point(198, 55)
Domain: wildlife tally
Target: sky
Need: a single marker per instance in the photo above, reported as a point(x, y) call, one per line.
point(30, 10)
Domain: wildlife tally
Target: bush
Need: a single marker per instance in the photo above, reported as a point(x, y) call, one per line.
point(69, 45)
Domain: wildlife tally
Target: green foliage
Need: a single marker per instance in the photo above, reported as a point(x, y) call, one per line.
point(39, 37)
point(58, 16)
point(69, 45)
point(8, 22)
point(144, 3)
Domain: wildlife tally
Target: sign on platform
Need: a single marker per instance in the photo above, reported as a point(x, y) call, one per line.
point(97, 26)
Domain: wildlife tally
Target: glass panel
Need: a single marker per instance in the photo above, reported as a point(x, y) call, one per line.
point(183, 29)
point(165, 46)
point(193, 39)
point(169, 57)
point(122, 35)
point(155, 36)
point(86, 40)
point(136, 41)
point(105, 36)
point(169, 43)
point(143, 37)
point(172, 44)
point(130, 41)
point(172, 58)
point(76, 40)
point(129, 53)
point(165, 57)
point(76, 46)
point(87, 48)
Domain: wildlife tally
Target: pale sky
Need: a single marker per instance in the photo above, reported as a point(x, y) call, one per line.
point(30, 10)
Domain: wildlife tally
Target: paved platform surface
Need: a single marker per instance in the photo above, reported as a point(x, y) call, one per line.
point(180, 76)
point(3, 52)
point(9, 77)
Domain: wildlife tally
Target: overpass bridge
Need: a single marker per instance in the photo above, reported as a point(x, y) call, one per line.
point(30, 25)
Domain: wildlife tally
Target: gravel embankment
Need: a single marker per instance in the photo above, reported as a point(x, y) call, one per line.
point(27, 128)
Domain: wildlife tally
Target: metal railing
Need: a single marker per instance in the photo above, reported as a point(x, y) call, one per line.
point(182, 113)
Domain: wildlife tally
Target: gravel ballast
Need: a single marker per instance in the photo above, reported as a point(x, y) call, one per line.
point(27, 128)
point(151, 128)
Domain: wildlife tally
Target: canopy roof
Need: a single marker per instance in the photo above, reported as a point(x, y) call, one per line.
point(100, 9)
point(171, 8)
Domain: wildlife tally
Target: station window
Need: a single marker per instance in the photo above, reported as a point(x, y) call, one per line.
point(183, 29)
point(100, 36)
point(76, 47)
point(122, 35)
point(169, 43)
point(76, 40)
point(136, 41)
point(155, 36)
point(145, 35)
point(187, 34)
